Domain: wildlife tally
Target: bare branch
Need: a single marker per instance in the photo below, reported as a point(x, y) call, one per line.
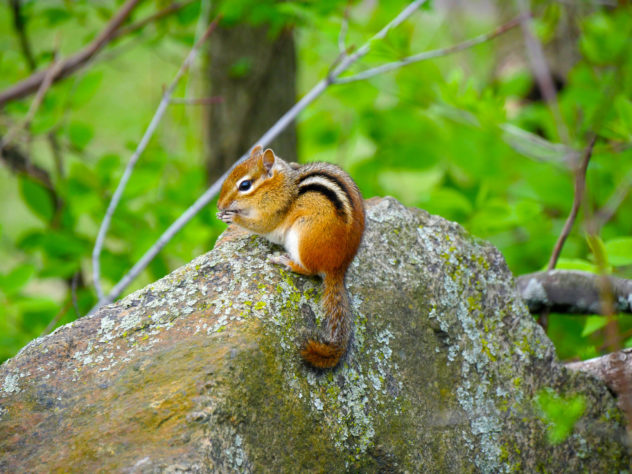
point(68, 66)
point(162, 107)
point(573, 292)
point(580, 184)
point(18, 162)
point(431, 54)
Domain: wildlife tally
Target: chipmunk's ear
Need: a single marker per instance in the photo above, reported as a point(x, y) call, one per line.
point(267, 160)
point(256, 151)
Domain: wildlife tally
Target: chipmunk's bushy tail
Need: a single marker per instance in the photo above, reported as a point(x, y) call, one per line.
point(326, 352)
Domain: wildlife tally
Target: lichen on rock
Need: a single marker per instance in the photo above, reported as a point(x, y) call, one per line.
point(200, 371)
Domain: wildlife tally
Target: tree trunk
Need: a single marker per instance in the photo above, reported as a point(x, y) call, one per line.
point(254, 73)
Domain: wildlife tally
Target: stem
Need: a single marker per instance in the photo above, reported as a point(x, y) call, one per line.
point(580, 186)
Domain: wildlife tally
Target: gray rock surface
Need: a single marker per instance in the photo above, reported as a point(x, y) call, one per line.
point(200, 372)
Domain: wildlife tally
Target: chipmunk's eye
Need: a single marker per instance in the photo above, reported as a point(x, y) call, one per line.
point(245, 185)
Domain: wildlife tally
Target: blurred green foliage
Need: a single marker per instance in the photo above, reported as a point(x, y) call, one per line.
point(461, 136)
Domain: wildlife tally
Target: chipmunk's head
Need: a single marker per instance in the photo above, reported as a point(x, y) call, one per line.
point(257, 187)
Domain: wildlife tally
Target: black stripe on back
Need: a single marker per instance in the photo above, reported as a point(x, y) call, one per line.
point(325, 191)
point(331, 178)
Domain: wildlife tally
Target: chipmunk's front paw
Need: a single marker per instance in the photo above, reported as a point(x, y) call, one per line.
point(289, 264)
point(282, 260)
point(226, 216)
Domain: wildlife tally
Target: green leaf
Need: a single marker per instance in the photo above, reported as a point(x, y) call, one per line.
point(619, 251)
point(560, 413)
point(37, 198)
point(15, 280)
point(56, 244)
point(87, 87)
point(594, 324)
point(576, 264)
point(188, 14)
point(448, 203)
point(79, 134)
point(36, 312)
point(410, 185)
point(55, 15)
point(64, 244)
point(59, 268)
point(598, 248)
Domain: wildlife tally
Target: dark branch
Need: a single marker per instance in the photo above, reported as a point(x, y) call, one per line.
point(68, 66)
point(573, 291)
point(580, 185)
point(20, 28)
point(19, 163)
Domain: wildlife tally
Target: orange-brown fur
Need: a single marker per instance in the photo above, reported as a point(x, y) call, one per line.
point(327, 238)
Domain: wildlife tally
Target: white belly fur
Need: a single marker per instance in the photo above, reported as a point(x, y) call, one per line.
point(289, 239)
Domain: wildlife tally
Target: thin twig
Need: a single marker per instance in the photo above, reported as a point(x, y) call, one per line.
point(69, 65)
point(202, 20)
point(56, 152)
point(538, 148)
point(580, 185)
point(73, 291)
point(541, 71)
point(344, 27)
point(162, 107)
point(51, 74)
point(53, 322)
point(431, 54)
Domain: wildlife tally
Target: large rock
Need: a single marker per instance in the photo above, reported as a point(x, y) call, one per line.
point(200, 371)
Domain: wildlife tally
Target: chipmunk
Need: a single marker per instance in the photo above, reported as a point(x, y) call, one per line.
point(316, 212)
